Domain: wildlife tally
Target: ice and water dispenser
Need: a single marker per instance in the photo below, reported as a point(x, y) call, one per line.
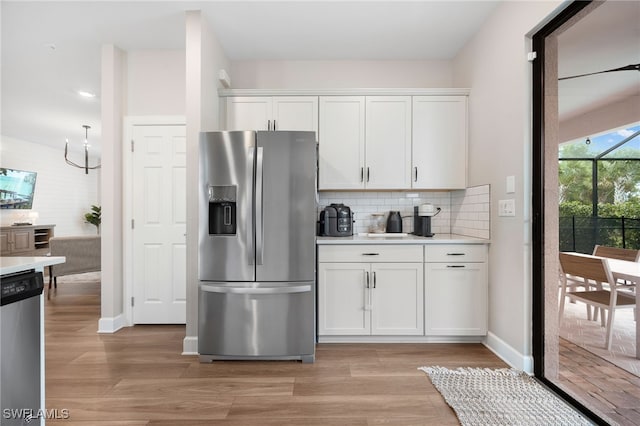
point(222, 210)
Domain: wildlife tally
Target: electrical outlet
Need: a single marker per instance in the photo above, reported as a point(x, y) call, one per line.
point(507, 207)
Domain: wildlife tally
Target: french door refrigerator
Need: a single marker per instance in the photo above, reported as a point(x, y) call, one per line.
point(257, 207)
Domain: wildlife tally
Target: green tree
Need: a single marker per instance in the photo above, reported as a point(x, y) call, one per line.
point(618, 181)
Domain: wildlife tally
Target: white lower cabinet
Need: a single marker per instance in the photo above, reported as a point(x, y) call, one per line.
point(397, 293)
point(392, 291)
point(343, 299)
point(370, 298)
point(456, 290)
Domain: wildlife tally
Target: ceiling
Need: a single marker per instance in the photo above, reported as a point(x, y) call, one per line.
point(50, 50)
point(607, 38)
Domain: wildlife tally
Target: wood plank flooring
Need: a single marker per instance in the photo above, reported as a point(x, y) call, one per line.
point(138, 376)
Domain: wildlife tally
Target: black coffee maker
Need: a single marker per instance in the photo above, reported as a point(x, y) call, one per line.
point(422, 215)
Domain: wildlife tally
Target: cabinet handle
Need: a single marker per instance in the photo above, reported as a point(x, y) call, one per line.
point(268, 124)
point(415, 170)
point(367, 174)
point(370, 254)
point(374, 280)
point(361, 174)
point(274, 124)
point(367, 274)
point(455, 266)
point(456, 254)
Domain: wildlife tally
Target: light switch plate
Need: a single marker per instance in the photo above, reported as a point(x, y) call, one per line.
point(507, 207)
point(511, 184)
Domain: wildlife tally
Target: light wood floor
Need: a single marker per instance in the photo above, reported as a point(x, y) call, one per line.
point(138, 377)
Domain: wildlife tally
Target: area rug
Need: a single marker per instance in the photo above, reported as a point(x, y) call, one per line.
point(482, 396)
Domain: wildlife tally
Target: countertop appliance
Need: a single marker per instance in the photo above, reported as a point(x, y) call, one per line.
point(257, 245)
point(394, 222)
point(422, 215)
point(20, 392)
point(336, 220)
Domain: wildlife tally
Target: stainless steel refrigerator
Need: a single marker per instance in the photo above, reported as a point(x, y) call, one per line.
point(257, 209)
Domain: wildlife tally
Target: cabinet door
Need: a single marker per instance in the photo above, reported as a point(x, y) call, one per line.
point(4, 242)
point(456, 299)
point(249, 113)
point(22, 240)
point(398, 299)
point(341, 142)
point(388, 142)
point(439, 142)
point(296, 113)
point(343, 299)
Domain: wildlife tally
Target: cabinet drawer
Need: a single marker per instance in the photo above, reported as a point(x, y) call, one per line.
point(370, 253)
point(456, 253)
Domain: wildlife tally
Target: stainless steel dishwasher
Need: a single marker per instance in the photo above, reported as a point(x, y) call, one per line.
point(20, 351)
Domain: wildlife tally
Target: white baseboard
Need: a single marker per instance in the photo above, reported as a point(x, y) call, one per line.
point(508, 354)
point(400, 339)
point(111, 325)
point(190, 345)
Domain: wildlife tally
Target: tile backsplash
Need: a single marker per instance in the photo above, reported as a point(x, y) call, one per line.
point(471, 212)
point(463, 212)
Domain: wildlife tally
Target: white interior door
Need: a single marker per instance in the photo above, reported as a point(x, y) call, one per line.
point(159, 224)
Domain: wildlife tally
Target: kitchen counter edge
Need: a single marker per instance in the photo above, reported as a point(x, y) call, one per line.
point(10, 265)
point(411, 239)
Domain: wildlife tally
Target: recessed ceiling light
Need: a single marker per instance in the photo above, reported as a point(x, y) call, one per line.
point(85, 94)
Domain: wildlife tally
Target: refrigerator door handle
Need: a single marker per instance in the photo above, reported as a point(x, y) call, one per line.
point(256, 290)
point(259, 208)
point(250, 222)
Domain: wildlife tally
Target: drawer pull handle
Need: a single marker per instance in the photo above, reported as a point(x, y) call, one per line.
point(370, 254)
point(455, 266)
point(456, 254)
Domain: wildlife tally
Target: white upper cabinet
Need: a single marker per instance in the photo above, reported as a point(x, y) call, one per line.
point(249, 113)
point(388, 142)
point(341, 142)
point(439, 142)
point(272, 113)
point(381, 142)
point(295, 113)
point(365, 142)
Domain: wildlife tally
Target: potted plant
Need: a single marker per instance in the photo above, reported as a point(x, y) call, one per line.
point(93, 217)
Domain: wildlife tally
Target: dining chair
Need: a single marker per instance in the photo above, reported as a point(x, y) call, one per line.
point(594, 269)
point(630, 255)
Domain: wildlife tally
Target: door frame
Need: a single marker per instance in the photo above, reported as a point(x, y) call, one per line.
point(545, 265)
point(130, 122)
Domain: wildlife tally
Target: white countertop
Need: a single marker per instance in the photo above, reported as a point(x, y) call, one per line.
point(10, 264)
point(409, 239)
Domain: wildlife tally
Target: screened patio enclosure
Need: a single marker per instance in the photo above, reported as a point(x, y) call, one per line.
point(600, 191)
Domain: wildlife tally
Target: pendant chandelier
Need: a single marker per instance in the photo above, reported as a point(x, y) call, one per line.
point(86, 166)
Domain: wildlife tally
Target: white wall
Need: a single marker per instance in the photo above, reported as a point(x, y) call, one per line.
point(135, 83)
point(339, 74)
point(156, 82)
point(63, 194)
point(113, 87)
point(493, 64)
point(204, 57)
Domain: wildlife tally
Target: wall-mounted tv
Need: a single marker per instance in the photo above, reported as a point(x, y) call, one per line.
point(16, 188)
